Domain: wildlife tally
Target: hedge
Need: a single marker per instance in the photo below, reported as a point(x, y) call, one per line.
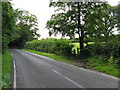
point(51, 45)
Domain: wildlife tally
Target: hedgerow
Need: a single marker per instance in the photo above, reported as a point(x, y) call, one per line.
point(51, 45)
point(110, 48)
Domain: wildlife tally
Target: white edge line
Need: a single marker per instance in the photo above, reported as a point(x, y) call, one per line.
point(68, 79)
point(97, 72)
point(14, 76)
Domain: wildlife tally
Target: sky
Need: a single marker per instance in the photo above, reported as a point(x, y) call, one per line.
point(41, 9)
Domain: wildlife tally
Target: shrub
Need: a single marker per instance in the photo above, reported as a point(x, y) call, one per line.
point(110, 48)
point(51, 45)
point(110, 51)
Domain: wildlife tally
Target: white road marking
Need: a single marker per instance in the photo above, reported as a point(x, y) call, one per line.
point(68, 79)
point(14, 66)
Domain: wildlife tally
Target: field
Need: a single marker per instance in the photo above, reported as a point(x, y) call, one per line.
point(76, 45)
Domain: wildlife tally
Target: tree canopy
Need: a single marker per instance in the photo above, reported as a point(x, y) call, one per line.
point(84, 19)
point(18, 26)
point(8, 24)
point(27, 26)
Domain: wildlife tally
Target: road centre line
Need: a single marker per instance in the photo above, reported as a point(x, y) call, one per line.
point(75, 83)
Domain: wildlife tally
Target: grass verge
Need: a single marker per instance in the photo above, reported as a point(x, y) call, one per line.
point(6, 68)
point(66, 59)
point(99, 64)
point(93, 63)
point(0, 70)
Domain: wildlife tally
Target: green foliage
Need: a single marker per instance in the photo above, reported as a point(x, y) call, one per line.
point(18, 26)
point(56, 46)
point(117, 11)
point(62, 58)
point(111, 48)
point(99, 63)
point(69, 19)
point(27, 27)
point(6, 69)
point(102, 21)
point(91, 21)
point(85, 51)
point(8, 24)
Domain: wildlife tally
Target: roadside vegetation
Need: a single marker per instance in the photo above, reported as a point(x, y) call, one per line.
point(55, 46)
point(96, 47)
point(8, 33)
point(6, 69)
point(98, 63)
point(104, 60)
point(76, 45)
point(0, 70)
point(18, 27)
point(93, 63)
point(62, 58)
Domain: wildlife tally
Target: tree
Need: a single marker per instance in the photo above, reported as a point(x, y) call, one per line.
point(102, 21)
point(8, 24)
point(27, 27)
point(118, 17)
point(18, 26)
point(70, 19)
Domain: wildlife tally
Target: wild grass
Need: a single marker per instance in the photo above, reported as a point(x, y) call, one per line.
point(0, 70)
point(98, 63)
point(66, 59)
point(6, 68)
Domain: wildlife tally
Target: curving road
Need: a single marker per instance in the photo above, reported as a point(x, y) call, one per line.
point(36, 71)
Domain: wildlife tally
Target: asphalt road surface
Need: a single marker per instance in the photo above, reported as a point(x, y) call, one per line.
point(35, 71)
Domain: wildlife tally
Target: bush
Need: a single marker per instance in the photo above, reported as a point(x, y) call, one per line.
point(85, 52)
point(110, 48)
point(56, 46)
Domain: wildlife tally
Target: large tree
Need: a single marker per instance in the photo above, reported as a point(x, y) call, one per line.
point(27, 27)
point(102, 21)
point(8, 24)
point(118, 17)
point(70, 19)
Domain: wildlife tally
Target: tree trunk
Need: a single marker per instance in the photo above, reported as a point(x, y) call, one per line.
point(82, 40)
point(80, 31)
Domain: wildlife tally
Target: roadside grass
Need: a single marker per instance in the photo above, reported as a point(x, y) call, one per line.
point(108, 69)
point(6, 68)
point(93, 63)
point(98, 63)
point(66, 59)
point(0, 70)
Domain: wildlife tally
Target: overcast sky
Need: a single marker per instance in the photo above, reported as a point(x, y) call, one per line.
point(41, 9)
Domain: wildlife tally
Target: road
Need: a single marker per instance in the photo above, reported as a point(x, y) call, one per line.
point(36, 71)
